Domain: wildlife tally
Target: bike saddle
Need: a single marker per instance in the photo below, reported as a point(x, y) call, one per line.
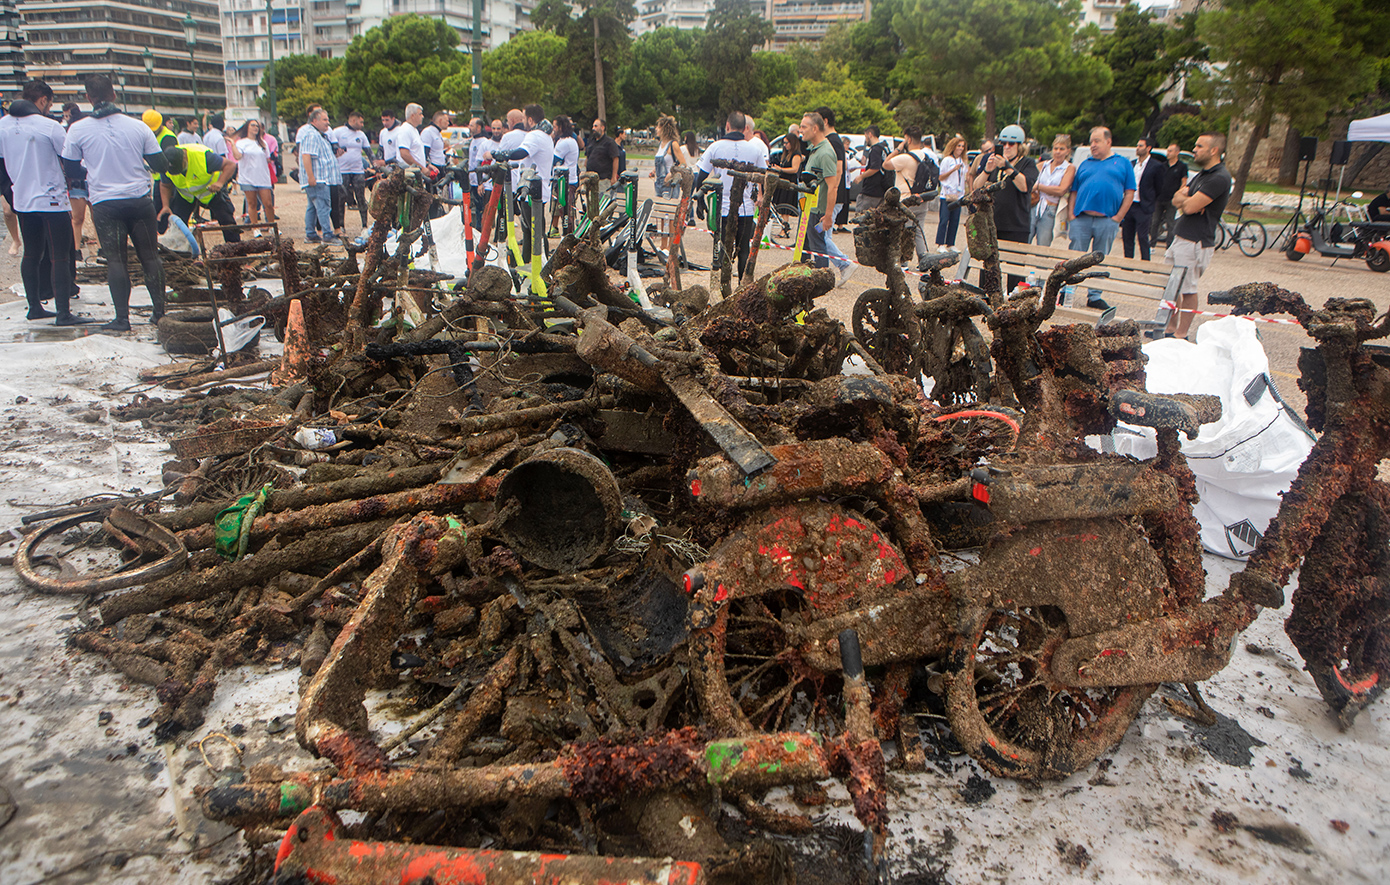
point(1185, 412)
point(938, 261)
point(511, 156)
point(627, 176)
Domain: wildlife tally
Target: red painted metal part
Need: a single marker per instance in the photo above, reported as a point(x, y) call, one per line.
point(316, 849)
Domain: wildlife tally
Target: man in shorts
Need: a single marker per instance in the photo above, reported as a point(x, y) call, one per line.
point(1199, 205)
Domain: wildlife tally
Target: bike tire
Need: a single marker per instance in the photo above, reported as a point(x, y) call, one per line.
point(881, 331)
point(1340, 620)
point(1252, 238)
point(1221, 237)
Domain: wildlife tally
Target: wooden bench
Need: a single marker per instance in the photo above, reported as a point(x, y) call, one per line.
point(1135, 289)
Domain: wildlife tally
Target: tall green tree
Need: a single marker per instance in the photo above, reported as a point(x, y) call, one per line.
point(733, 30)
point(1302, 59)
point(525, 69)
point(1148, 59)
point(1025, 49)
point(664, 75)
point(600, 31)
point(854, 108)
point(288, 70)
point(402, 60)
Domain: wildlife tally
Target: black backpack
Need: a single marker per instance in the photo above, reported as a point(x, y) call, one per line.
point(927, 181)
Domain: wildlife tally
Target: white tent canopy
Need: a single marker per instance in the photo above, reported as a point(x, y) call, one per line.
point(1370, 129)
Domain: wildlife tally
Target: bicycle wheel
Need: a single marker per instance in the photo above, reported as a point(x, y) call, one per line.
point(1340, 622)
point(1251, 238)
point(781, 226)
point(881, 331)
point(748, 674)
point(1006, 708)
point(1221, 236)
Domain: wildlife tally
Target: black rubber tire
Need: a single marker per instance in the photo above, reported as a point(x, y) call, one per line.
point(1378, 260)
point(190, 332)
point(1252, 238)
point(1293, 254)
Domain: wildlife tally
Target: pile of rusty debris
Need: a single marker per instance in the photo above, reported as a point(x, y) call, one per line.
point(619, 570)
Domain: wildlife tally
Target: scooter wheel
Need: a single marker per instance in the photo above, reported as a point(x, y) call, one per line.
point(1378, 260)
point(1293, 254)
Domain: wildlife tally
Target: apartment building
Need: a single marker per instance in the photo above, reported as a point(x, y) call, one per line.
point(11, 48)
point(802, 20)
point(140, 44)
point(684, 14)
point(327, 27)
point(1102, 13)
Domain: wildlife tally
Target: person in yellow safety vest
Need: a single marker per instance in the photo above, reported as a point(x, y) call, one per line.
point(164, 138)
point(197, 175)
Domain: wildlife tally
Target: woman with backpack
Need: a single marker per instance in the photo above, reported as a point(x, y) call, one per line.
point(953, 169)
point(915, 167)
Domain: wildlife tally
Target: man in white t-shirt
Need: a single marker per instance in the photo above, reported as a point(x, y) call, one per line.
point(410, 150)
point(432, 137)
point(540, 155)
point(352, 141)
point(189, 133)
point(390, 127)
point(32, 179)
point(480, 149)
point(114, 149)
point(735, 146)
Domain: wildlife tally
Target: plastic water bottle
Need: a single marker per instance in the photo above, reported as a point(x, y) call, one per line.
point(1032, 279)
point(1068, 296)
point(316, 437)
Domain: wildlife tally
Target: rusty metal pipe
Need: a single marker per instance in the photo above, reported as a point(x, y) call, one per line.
point(316, 849)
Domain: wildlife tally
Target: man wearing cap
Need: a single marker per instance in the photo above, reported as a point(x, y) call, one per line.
point(164, 138)
point(1011, 206)
point(197, 175)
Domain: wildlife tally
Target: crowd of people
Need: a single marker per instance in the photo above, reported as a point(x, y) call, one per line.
point(137, 174)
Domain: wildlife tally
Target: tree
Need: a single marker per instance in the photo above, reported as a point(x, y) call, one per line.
point(600, 32)
point(664, 75)
point(732, 31)
point(298, 95)
point(854, 108)
point(1024, 48)
point(288, 70)
point(1303, 60)
point(1148, 59)
point(776, 72)
point(516, 73)
point(402, 60)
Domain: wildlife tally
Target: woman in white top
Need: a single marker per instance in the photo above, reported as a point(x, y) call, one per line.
point(253, 170)
point(566, 164)
point(952, 173)
point(1054, 181)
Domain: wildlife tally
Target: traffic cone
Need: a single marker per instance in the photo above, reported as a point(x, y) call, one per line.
point(294, 365)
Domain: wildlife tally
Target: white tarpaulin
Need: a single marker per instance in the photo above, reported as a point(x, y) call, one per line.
point(1370, 129)
point(1245, 461)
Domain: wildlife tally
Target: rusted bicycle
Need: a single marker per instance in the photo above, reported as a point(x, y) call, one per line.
point(1334, 522)
point(1082, 544)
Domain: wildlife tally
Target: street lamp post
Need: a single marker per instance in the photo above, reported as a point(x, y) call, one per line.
point(121, 79)
point(270, 59)
point(190, 36)
point(148, 58)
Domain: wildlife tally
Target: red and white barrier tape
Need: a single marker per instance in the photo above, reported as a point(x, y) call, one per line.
point(1278, 321)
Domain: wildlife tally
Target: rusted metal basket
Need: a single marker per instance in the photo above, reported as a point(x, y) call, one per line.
point(220, 439)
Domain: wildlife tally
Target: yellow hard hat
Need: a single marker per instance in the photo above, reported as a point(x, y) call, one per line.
point(153, 119)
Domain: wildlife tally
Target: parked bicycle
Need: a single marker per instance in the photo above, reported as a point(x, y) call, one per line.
point(1248, 234)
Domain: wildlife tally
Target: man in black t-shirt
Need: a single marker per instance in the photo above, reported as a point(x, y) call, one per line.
point(1379, 208)
point(1175, 176)
point(873, 181)
point(1199, 204)
point(602, 155)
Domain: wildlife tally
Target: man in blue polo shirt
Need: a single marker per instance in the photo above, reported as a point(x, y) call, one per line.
point(1103, 190)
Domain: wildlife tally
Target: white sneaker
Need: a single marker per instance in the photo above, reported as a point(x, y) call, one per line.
point(846, 273)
